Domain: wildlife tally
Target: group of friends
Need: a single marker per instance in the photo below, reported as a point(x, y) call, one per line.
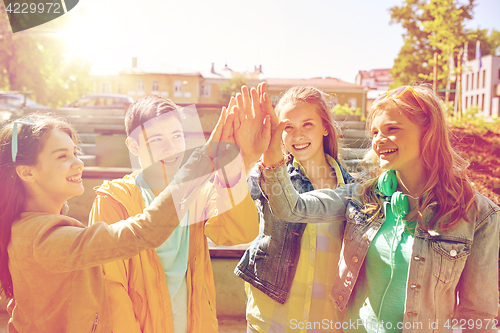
point(406, 245)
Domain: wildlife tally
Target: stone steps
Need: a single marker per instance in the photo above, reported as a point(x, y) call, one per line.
point(90, 112)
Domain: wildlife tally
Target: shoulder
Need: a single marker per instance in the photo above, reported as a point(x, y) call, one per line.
point(32, 223)
point(485, 209)
point(116, 188)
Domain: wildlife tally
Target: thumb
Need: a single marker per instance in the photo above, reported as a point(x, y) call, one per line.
point(277, 133)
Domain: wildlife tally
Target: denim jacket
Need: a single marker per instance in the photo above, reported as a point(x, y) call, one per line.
point(269, 264)
point(453, 274)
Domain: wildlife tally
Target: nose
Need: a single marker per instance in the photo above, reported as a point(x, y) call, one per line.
point(169, 148)
point(78, 163)
point(379, 138)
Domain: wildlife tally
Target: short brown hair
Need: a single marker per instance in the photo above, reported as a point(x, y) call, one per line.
point(146, 108)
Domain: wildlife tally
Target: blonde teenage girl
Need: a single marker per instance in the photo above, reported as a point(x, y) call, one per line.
point(50, 263)
point(420, 247)
point(289, 266)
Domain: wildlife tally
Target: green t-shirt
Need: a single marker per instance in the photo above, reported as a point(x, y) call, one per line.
point(173, 256)
point(378, 299)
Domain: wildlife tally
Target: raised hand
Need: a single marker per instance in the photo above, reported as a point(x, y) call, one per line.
point(252, 129)
point(273, 155)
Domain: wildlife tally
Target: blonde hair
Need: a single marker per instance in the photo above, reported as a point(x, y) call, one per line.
point(447, 181)
point(321, 101)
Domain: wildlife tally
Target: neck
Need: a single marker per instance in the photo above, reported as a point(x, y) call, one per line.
point(412, 182)
point(316, 167)
point(43, 204)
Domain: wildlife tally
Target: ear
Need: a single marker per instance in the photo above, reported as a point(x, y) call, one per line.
point(325, 133)
point(26, 173)
point(132, 145)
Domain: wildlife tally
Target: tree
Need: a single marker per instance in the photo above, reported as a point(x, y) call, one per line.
point(431, 27)
point(231, 87)
point(39, 63)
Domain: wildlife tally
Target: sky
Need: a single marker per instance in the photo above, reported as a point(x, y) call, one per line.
point(289, 38)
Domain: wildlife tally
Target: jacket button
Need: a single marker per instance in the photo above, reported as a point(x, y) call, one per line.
point(365, 237)
point(417, 258)
point(341, 298)
point(414, 286)
point(355, 259)
point(453, 253)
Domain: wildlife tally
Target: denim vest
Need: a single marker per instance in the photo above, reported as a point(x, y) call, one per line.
point(269, 264)
point(453, 274)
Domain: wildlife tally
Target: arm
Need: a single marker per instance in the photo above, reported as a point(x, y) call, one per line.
point(319, 206)
point(478, 292)
point(116, 275)
point(231, 222)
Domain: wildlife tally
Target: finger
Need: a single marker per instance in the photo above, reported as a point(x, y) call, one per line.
point(239, 101)
point(232, 102)
point(277, 133)
point(259, 89)
point(266, 132)
point(269, 110)
point(247, 102)
point(217, 132)
point(257, 113)
point(227, 131)
point(239, 116)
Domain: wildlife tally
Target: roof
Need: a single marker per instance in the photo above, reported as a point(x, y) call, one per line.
point(318, 82)
point(380, 74)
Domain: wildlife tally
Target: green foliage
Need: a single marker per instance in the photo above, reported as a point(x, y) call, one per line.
point(473, 115)
point(232, 87)
point(39, 63)
point(436, 26)
point(346, 109)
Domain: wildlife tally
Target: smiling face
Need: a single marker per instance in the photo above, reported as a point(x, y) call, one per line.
point(396, 141)
point(303, 136)
point(162, 140)
point(58, 171)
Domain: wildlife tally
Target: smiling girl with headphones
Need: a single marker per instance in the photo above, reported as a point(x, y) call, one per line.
point(420, 247)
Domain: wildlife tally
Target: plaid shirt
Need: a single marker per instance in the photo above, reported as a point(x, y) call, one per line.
point(308, 308)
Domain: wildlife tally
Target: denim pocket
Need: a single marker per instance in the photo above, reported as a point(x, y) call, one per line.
point(452, 254)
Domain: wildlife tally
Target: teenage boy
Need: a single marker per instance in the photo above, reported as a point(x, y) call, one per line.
point(170, 288)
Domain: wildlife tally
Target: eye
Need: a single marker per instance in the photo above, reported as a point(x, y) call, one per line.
point(154, 140)
point(392, 128)
point(288, 128)
point(308, 124)
point(63, 156)
point(178, 136)
point(374, 133)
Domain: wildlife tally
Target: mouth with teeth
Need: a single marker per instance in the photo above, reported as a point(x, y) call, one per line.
point(386, 152)
point(75, 179)
point(170, 161)
point(301, 146)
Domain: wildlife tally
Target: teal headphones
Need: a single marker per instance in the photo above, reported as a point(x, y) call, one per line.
point(387, 184)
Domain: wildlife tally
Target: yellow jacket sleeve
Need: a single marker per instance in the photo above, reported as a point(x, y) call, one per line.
point(232, 215)
point(123, 318)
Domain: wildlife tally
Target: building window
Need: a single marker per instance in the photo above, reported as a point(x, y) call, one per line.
point(484, 77)
point(155, 86)
point(205, 90)
point(118, 88)
point(466, 101)
point(477, 100)
point(274, 100)
point(177, 88)
point(467, 82)
point(482, 102)
point(353, 102)
point(477, 83)
point(140, 87)
point(472, 82)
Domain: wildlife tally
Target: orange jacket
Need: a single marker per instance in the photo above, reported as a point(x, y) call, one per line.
point(137, 289)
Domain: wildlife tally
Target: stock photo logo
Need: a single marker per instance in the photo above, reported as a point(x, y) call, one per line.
point(26, 14)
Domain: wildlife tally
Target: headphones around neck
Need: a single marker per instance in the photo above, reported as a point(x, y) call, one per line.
point(387, 184)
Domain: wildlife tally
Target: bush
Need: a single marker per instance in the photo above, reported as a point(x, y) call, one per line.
point(346, 109)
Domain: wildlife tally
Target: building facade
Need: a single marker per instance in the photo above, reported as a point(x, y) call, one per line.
point(481, 84)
